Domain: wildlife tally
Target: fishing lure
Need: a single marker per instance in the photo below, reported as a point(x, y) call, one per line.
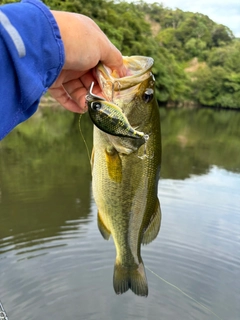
point(109, 118)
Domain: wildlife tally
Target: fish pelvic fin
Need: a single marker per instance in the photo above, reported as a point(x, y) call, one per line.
point(134, 279)
point(102, 227)
point(154, 226)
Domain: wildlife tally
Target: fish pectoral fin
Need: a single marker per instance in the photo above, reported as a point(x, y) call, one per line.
point(154, 226)
point(102, 228)
point(134, 279)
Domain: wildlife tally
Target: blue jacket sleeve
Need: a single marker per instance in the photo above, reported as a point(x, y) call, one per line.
point(31, 58)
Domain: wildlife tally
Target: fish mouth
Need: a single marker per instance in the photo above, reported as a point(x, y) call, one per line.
point(112, 86)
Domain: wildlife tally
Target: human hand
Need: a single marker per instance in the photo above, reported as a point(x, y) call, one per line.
point(85, 45)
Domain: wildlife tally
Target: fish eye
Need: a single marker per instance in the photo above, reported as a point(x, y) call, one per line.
point(96, 105)
point(148, 95)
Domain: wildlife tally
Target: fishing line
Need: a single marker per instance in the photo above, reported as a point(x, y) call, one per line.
point(3, 314)
point(84, 140)
point(185, 294)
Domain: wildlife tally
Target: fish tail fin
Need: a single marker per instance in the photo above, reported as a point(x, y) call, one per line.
point(135, 279)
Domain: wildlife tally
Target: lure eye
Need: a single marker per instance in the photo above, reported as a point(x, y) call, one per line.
point(96, 105)
point(148, 95)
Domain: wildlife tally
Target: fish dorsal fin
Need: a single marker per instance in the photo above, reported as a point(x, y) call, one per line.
point(154, 226)
point(102, 228)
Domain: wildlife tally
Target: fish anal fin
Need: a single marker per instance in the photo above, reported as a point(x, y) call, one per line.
point(102, 228)
point(154, 226)
point(134, 279)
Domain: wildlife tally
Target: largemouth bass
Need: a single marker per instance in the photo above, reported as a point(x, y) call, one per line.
point(125, 175)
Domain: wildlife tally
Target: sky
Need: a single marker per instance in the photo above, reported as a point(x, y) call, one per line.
point(226, 12)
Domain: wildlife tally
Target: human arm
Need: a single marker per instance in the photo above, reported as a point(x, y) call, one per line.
point(36, 56)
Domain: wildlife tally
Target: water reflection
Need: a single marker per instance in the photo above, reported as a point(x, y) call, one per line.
point(44, 185)
point(194, 140)
point(53, 261)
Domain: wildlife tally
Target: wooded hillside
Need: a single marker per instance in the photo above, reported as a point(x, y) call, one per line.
point(196, 59)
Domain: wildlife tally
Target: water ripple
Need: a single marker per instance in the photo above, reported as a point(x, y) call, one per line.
point(71, 266)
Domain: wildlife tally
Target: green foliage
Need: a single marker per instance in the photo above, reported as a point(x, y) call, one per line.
point(208, 85)
point(218, 84)
point(221, 34)
point(195, 47)
point(171, 80)
point(227, 56)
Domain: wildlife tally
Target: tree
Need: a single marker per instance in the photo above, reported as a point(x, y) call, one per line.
point(221, 35)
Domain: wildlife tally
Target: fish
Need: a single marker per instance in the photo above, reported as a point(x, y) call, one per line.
point(125, 174)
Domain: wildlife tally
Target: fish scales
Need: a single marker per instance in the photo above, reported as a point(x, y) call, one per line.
point(125, 175)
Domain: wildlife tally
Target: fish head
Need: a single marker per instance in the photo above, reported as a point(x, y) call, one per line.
point(133, 94)
point(122, 91)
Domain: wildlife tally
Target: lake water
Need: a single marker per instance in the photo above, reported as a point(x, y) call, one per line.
point(54, 264)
